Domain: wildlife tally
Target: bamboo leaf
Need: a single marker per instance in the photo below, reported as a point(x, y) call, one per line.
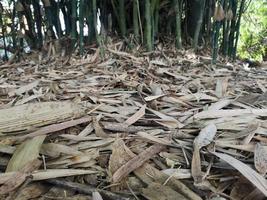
point(255, 178)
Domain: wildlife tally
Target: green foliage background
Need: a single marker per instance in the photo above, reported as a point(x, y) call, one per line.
point(253, 38)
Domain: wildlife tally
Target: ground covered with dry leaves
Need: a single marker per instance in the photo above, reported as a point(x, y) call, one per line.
point(161, 125)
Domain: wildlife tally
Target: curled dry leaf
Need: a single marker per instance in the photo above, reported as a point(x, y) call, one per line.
point(205, 136)
point(260, 159)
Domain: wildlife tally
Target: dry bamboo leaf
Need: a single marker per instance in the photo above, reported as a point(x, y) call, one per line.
point(148, 173)
point(17, 178)
point(99, 132)
point(220, 104)
point(96, 196)
point(205, 136)
point(178, 173)
point(25, 153)
point(253, 129)
point(26, 116)
point(151, 98)
point(255, 178)
point(156, 191)
point(255, 194)
point(158, 62)
point(27, 99)
point(87, 130)
point(31, 191)
point(230, 113)
point(231, 144)
point(136, 162)
point(79, 138)
point(57, 173)
point(260, 159)
point(86, 157)
point(153, 138)
point(119, 156)
point(134, 118)
point(221, 87)
point(23, 89)
point(241, 188)
point(54, 150)
point(55, 127)
point(167, 121)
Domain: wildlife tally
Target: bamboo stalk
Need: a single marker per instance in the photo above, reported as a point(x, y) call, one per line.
point(81, 26)
point(178, 36)
point(135, 19)
point(241, 10)
point(199, 24)
point(148, 26)
point(122, 20)
point(73, 19)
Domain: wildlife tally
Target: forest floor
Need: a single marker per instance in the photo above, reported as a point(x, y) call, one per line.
point(161, 125)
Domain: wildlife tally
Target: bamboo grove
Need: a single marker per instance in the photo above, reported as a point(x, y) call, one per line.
point(190, 23)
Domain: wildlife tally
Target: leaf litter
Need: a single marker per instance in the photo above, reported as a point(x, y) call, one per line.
point(163, 125)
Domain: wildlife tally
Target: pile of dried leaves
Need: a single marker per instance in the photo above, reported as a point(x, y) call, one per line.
point(161, 125)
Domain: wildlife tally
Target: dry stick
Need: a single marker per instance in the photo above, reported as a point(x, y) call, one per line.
point(136, 162)
point(85, 189)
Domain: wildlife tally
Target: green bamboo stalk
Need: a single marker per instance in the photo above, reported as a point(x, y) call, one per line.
point(98, 39)
point(90, 21)
point(13, 29)
point(58, 25)
point(148, 26)
point(81, 26)
point(233, 7)
point(140, 22)
point(199, 24)
point(215, 41)
point(66, 17)
point(3, 31)
point(178, 36)
point(135, 19)
point(241, 10)
point(122, 20)
point(73, 19)
point(156, 19)
point(38, 21)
